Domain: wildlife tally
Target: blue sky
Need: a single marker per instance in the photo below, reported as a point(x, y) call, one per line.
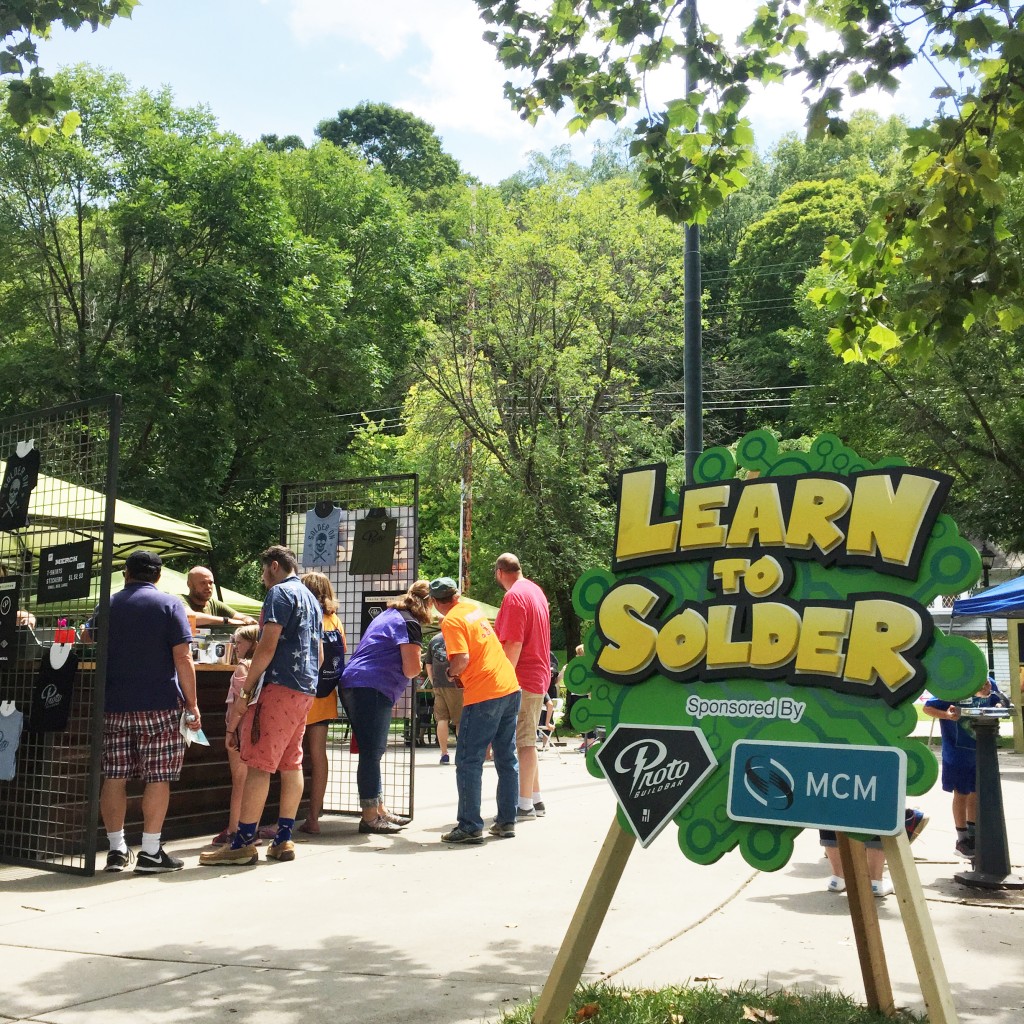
point(281, 66)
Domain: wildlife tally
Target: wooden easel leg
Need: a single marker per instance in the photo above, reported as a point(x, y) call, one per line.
point(917, 922)
point(567, 969)
point(864, 917)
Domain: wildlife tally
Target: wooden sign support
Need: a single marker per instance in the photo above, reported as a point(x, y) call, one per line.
point(866, 930)
point(567, 968)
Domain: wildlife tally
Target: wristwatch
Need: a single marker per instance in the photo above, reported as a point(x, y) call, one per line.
point(227, 620)
point(246, 695)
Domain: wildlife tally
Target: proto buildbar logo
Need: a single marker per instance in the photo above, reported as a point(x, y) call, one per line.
point(653, 771)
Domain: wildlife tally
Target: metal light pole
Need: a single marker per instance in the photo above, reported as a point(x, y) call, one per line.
point(988, 559)
point(693, 387)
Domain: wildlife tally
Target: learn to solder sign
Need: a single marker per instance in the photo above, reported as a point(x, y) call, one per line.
point(783, 598)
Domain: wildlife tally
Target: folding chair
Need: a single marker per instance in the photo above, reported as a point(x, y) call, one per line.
point(550, 722)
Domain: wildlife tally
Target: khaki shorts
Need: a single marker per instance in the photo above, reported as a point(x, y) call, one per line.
point(448, 705)
point(271, 731)
point(529, 718)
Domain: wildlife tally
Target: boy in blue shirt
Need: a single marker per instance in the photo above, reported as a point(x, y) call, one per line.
point(959, 759)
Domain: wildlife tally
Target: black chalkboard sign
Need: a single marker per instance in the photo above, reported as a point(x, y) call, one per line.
point(8, 617)
point(64, 572)
point(374, 603)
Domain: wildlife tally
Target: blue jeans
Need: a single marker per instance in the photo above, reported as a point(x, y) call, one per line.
point(369, 711)
point(490, 722)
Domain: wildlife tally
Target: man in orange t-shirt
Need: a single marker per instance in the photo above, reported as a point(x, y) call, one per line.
point(490, 709)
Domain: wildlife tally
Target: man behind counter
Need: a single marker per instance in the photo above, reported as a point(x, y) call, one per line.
point(207, 609)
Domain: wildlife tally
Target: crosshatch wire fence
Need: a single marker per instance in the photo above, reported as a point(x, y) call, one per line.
point(359, 596)
point(49, 810)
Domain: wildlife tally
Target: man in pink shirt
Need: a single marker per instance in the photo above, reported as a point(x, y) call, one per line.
point(523, 626)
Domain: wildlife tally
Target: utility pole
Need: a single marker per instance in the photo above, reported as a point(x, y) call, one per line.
point(693, 385)
point(466, 512)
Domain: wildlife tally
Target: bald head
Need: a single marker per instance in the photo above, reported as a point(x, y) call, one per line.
point(508, 563)
point(507, 570)
point(200, 584)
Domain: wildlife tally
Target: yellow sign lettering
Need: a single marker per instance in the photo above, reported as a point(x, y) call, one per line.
point(888, 522)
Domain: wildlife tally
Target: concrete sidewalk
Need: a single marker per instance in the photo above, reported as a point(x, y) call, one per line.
point(372, 929)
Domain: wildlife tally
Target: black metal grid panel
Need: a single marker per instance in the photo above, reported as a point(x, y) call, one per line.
point(398, 497)
point(49, 810)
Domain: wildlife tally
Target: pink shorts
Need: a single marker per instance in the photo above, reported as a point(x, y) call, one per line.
point(271, 731)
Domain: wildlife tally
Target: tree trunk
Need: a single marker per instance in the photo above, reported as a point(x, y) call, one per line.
point(570, 621)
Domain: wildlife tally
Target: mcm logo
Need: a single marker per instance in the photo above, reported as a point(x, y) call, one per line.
point(768, 782)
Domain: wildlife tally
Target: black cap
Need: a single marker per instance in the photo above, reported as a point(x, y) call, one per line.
point(444, 588)
point(143, 561)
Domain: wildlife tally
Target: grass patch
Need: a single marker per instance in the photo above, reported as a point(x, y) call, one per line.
point(705, 1004)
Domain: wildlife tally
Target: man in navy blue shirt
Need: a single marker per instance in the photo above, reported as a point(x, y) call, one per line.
point(150, 676)
point(268, 724)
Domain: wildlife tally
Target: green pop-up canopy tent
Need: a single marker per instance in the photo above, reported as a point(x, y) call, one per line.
point(61, 512)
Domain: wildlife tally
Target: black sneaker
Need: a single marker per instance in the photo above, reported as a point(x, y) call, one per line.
point(458, 836)
point(157, 863)
point(539, 809)
point(503, 830)
point(118, 860)
point(965, 847)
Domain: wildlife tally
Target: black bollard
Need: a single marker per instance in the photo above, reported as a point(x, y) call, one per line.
point(991, 868)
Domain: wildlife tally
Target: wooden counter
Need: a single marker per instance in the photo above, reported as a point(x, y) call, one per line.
point(199, 799)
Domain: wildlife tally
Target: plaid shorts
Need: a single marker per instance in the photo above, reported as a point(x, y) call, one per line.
point(145, 745)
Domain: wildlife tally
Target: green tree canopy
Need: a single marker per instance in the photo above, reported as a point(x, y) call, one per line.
point(946, 223)
point(559, 313)
point(241, 300)
point(403, 145)
point(33, 97)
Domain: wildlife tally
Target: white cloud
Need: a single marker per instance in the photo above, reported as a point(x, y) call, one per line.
point(432, 61)
point(443, 71)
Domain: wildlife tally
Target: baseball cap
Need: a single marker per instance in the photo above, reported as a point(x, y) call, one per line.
point(443, 588)
point(143, 560)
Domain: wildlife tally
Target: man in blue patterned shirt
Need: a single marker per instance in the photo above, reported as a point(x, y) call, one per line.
point(270, 718)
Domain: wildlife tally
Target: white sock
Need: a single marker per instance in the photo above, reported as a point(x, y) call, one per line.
point(151, 843)
point(116, 841)
point(525, 803)
point(537, 798)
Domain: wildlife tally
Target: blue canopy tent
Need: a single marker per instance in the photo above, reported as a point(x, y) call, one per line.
point(1005, 601)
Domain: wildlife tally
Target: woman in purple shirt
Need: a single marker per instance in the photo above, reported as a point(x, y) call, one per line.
point(376, 675)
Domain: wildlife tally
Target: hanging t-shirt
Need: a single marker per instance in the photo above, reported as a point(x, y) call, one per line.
point(19, 480)
point(373, 545)
point(10, 737)
point(51, 697)
point(320, 541)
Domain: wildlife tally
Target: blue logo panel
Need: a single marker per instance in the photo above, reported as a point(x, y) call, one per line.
point(818, 785)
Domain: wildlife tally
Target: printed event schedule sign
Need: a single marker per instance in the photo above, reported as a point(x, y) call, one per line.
point(65, 572)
